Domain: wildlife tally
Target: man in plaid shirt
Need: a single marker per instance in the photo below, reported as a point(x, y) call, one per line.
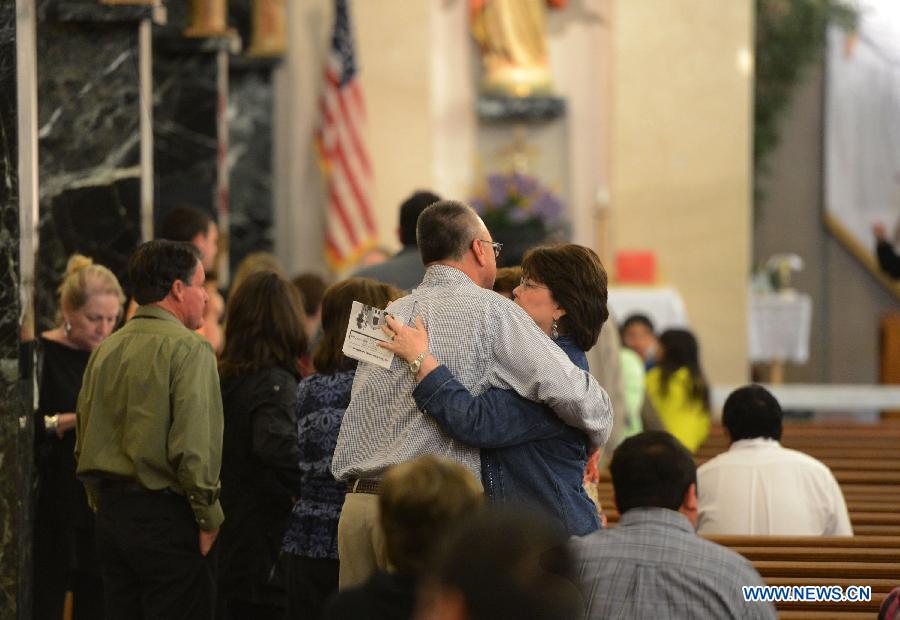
point(653, 564)
point(485, 340)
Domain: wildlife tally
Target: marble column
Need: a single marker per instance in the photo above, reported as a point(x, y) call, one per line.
point(90, 108)
point(16, 352)
point(185, 96)
point(250, 124)
point(190, 94)
point(250, 113)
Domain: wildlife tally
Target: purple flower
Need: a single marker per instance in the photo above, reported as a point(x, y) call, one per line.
point(519, 199)
point(524, 185)
point(498, 189)
point(520, 214)
point(547, 207)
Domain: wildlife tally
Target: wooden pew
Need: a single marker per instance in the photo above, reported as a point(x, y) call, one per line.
point(820, 553)
point(823, 561)
point(822, 615)
point(864, 523)
point(847, 542)
point(865, 460)
point(799, 572)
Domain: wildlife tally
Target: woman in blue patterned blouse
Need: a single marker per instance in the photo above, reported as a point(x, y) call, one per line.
point(310, 543)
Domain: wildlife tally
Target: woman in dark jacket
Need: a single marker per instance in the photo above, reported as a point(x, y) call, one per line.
point(528, 455)
point(264, 338)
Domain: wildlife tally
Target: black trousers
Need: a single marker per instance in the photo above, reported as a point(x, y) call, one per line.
point(309, 582)
point(148, 544)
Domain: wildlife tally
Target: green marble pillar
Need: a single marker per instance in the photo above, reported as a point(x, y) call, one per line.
point(16, 331)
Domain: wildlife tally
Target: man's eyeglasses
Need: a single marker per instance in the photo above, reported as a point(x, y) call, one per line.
point(527, 284)
point(496, 245)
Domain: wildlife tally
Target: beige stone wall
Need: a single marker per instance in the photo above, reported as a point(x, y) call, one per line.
point(393, 48)
point(681, 159)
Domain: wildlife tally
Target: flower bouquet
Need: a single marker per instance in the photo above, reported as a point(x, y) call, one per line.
point(519, 211)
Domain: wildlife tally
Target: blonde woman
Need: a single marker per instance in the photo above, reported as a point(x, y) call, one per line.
point(90, 306)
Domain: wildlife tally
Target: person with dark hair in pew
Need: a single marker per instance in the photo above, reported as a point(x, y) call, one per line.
point(759, 487)
point(503, 563)
point(653, 564)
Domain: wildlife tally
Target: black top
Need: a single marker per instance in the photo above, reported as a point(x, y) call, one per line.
point(260, 474)
point(62, 369)
point(63, 527)
point(61, 373)
point(383, 597)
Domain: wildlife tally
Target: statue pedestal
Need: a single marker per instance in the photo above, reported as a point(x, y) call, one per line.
point(499, 109)
point(527, 135)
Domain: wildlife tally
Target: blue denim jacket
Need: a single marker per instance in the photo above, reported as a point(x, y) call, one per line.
point(528, 455)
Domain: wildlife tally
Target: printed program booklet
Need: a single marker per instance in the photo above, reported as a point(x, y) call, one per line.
point(363, 335)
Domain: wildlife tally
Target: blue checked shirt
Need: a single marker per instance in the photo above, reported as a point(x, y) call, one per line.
point(486, 341)
point(653, 565)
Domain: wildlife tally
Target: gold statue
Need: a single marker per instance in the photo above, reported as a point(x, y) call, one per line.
point(511, 35)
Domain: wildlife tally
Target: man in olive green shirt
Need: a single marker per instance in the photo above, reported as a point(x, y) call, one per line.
point(149, 443)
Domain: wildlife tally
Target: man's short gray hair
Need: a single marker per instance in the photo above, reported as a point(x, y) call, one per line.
point(445, 231)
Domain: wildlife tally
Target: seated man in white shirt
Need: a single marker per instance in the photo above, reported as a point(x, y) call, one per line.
point(758, 487)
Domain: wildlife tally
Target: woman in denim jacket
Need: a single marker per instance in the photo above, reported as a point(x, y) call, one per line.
point(528, 455)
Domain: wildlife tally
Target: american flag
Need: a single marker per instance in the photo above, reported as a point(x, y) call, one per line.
point(350, 225)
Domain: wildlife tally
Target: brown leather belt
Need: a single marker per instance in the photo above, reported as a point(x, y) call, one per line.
point(364, 485)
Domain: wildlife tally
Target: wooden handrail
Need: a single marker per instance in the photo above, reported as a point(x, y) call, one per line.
point(806, 541)
point(860, 570)
point(819, 554)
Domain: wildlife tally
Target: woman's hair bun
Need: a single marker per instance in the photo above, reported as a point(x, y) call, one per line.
point(76, 263)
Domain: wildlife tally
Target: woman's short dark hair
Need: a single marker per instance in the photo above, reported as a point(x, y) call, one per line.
point(681, 350)
point(336, 304)
point(578, 282)
point(651, 470)
point(751, 411)
point(155, 265)
point(445, 230)
point(263, 326)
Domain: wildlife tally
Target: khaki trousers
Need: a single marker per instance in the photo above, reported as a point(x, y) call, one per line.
point(360, 540)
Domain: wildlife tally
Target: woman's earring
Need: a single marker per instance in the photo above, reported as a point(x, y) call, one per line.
point(68, 328)
point(554, 331)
